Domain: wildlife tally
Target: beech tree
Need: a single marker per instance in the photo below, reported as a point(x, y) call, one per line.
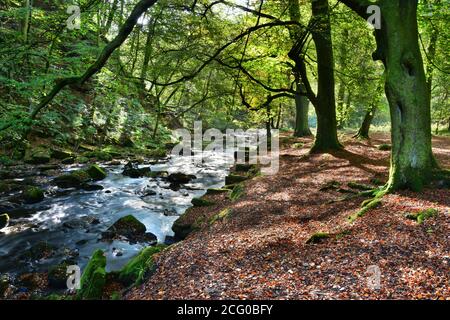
point(412, 161)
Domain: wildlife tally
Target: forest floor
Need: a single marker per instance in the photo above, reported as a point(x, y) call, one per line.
point(260, 251)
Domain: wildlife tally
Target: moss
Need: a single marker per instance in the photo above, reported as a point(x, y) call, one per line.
point(342, 234)
point(96, 173)
point(94, 277)
point(100, 155)
point(318, 237)
point(37, 155)
point(116, 296)
point(33, 194)
point(423, 215)
point(245, 167)
point(217, 190)
point(140, 266)
point(233, 179)
point(237, 192)
point(384, 147)
point(225, 214)
point(370, 204)
point(82, 159)
point(298, 145)
point(360, 186)
point(73, 180)
point(182, 228)
point(199, 202)
point(330, 185)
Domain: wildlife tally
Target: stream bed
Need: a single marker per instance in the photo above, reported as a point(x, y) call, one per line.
point(73, 221)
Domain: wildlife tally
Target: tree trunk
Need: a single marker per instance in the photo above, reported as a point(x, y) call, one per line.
point(326, 138)
point(301, 100)
point(412, 161)
point(301, 113)
point(363, 131)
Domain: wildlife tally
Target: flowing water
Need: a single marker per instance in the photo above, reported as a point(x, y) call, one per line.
point(66, 221)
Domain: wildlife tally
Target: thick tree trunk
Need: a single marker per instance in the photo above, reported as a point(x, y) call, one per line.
point(326, 138)
point(363, 131)
point(301, 113)
point(301, 100)
point(412, 161)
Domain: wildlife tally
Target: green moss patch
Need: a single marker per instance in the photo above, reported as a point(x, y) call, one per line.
point(94, 277)
point(199, 202)
point(423, 215)
point(140, 266)
point(237, 192)
point(317, 237)
point(221, 216)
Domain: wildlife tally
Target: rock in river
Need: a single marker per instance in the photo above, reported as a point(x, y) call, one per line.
point(130, 228)
point(132, 170)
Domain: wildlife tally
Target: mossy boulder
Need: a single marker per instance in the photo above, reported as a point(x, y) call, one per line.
point(74, 179)
point(33, 194)
point(96, 173)
point(130, 228)
point(60, 154)
point(234, 178)
point(199, 202)
point(4, 220)
point(81, 159)
point(99, 155)
point(184, 226)
point(140, 266)
point(94, 277)
point(38, 155)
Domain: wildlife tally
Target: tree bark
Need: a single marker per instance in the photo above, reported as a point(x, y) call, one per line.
point(363, 132)
point(301, 100)
point(326, 138)
point(301, 113)
point(412, 161)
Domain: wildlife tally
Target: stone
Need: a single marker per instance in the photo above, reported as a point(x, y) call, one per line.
point(96, 173)
point(33, 194)
point(132, 170)
point(4, 220)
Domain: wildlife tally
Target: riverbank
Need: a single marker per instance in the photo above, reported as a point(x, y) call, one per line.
point(288, 236)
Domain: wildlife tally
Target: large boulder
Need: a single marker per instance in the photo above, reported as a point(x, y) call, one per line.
point(132, 170)
point(74, 179)
point(130, 228)
point(96, 173)
point(60, 154)
point(94, 277)
point(79, 178)
point(38, 155)
point(33, 194)
point(180, 178)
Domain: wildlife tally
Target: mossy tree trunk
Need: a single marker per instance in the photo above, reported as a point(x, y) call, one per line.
point(363, 132)
point(301, 113)
point(301, 100)
point(398, 48)
point(326, 137)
